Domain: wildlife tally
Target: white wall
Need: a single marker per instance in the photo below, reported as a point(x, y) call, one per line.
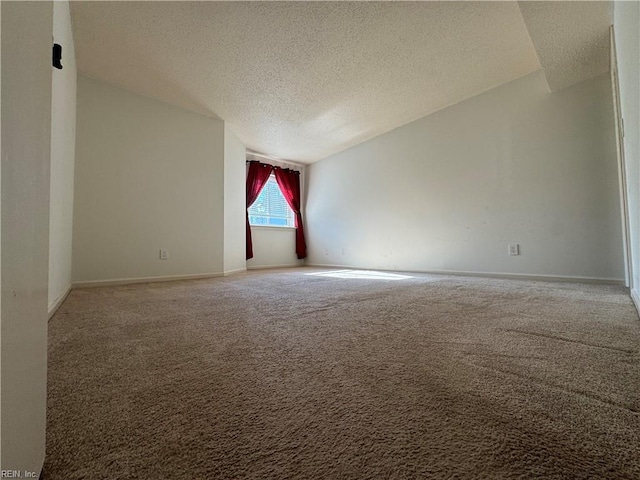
point(63, 141)
point(627, 35)
point(235, 155)
point(26, 142)
point(448, 192)
point(148, 176)
point(273, 247)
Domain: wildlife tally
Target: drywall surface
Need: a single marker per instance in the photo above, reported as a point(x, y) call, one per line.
point(571, 39)
point(273, 247)
point(627, 34)
point(301, 80)
point(26, 143)
point(450, 191)
point(63, 141)
point(235, 155)
point(149, 176)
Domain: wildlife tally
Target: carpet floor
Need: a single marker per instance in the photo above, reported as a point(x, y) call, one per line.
point(306, 374)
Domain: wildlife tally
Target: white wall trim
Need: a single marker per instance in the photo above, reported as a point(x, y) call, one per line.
point(233, 272)
point(267, 267)
point(635, 296)
point(53, 308)
point(512, 276)
point(130, 281)
point(622, 166)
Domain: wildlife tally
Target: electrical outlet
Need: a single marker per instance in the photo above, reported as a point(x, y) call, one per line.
point(326, 251)
point(164, 254)
point(514, 249)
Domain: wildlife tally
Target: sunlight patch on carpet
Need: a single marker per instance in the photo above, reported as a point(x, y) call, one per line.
point(360, 274)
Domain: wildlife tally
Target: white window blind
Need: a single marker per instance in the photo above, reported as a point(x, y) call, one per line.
point(271, 209)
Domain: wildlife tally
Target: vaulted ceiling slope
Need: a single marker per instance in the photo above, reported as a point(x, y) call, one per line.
point(571, 38)
point(303, 80)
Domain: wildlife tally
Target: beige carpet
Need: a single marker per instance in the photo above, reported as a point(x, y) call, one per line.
point(284, 375)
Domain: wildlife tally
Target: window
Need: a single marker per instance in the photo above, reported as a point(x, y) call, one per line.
point(271, 209)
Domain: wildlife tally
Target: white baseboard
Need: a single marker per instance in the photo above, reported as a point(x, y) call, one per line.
point(53, 308)
point(635, 296)
point(266, 267)
point(130, 281)
point(233, 272)
point(510, 276)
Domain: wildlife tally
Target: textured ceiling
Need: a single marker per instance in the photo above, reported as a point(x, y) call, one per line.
point(571, 38)
point(303, 80)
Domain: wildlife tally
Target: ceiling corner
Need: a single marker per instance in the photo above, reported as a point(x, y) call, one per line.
point(570, 38)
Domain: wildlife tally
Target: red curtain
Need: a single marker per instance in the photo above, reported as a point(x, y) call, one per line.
point(289, 183)
point(256, 179)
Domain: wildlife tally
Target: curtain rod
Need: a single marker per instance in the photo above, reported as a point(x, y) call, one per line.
point(275, 159)
point(276, 166)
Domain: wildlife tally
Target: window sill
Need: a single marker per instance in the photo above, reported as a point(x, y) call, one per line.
point(271, 227)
